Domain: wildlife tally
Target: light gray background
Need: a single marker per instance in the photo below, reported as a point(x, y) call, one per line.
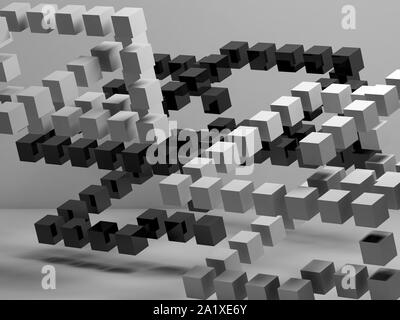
point(200, 28)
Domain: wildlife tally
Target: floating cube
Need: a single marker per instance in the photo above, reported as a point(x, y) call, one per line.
point(90, 100)
point(129, 22)
point(153, 222)
point(75, 233)
point(378, 248)
point(175, 189)
point(247, 139)
point(199, 282)
point(358, 181)
point(81, 153)
point(179, 226)
point(37, 102)
point(318, 59)
point(222, 259)
point(237, 196)
point(393, 79)
point(336, 97)
point(317, 148)
point(310, 95)
point(102, 236)
point(137, 58)
point(263, 287)
point(386, 98)
point(381, 163)
point(9, 93)
point(343, 130)
point(321, 274)
point(289, 58)
point(55, 150)
point(122, 126)
point(206, 193)
point(9, 67)
point(236, 51)
point(12, 117)
point(370, 210)
point(153, 127)
point(271, 229)
point(131, 240)
point(63, 87)
point(248, 244)
point(107, 155)
point(335, 206)
point(118, 184)
point(86, 69)
point(94, 124)
point(15, 13)
point(216, 100)
point(39, 15)
point(389, 185)
point(66, 121)
point(262, 56)
point(97, 21)
point(73, 209)
point(326, 178)
point(69, 19)
point(225, 156)
point(269, 125)
point(364, 113)
point(296, 289)
point(209, 230)
point(384, 284)
point(301, 203)
point(290, 110)
point(200, 167)
point(230, 285)
point(351, 281)
point(48, 229)
point(108, 54)
point(97, 198)
point(373, 139)
point(117, 103)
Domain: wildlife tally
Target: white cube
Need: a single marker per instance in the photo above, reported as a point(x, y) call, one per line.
point(290, 109)
point(310, 95)
point(343, 130)
point(271, 229)
point(269, 125)
point(364, 113)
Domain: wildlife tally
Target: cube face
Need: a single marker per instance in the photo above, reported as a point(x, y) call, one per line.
point(94, 124)
point(206, 193)
point(66, 121)
point(343, 130)
point(153, 222)
point(351, 281)
point(365, 114)
point(222, 259)
point(123, 126)
point(129, 22)
point(310, 95)
point(328, 177)
point(384, 284)
point(200, 167)
point(86, 69)
point(63, 87)
point(215, 100)
point(378, 248)
point(301, 203)
point(370, 210)
point(381, 163)
point(290, 110)
point(386, 98)
point(317, 148)
point(336, 97)
point(36, 15)
point(118, 184)
point(262, 56)
point(289, 58)
point(271, 229)
point(225, 155)
point(175, 189)
point(321, 274)
point(269, 124)
point(296, 289)
point(230, 285)
point(97, 21)
point(179, 226)
point(15, 15)
point(263, 287)
point(269, 199)
point(389, 185)
point(248, 244)
point(247, 139)
point(199, 282)
point(69, 19)
point(108, 54)
point(236, 196)
point(335, 206)
point(236, 51)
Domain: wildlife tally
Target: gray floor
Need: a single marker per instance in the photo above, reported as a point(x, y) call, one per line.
point(156, 272)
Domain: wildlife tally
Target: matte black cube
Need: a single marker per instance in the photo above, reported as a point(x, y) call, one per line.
point(180, 64)
point(134, 158)
point(176, 95)
point(97, 198)
point(75, 233)
point(217, 66)
point(73, 209)
point(221, 124)
point(197, 80)
point(131, 240)
point(102, 236)
point(118, 184)
point(311, 115)
point(216, 100)
point(106, 155)
point(115, 86)
point(55, 150)
point(283, 151)
point(318, 59)
point(378, 248)
point(356, 84)
point(81, 153)
point(153, 221)
point(30, 146)
point(304, 131)
point(161, 67)
point(237, 53)
point(262, 56)
point(348, 61)
point(179, 226)
point(209, 230)
point(48, 229)
point(289, 58)
point(320, 273)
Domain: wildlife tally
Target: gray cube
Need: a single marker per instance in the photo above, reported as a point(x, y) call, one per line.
point(263, 287)
point(320, 273)
point(378, 248)
point(370, 210)
point(351, 281)
point(384, 284)
point(230, 285)
point(199, 282)
point(335, 206)
point(296, 289)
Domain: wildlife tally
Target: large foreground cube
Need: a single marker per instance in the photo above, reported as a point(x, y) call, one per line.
point(199, 282)
point(320, 273)
point(384, 284)
point(351, 281)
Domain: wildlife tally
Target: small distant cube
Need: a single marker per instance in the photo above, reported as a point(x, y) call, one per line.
point(290, 109)
point(209, 230)
point(269, 125)
point(48, 229)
